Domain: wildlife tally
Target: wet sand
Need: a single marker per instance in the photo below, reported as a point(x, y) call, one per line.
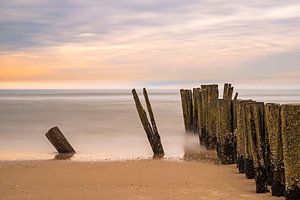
point(140, 179)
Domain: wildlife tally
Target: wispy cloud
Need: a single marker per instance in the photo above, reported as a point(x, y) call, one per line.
point(139, 41)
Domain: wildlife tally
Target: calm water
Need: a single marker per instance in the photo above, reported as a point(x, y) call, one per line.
point(100, 124)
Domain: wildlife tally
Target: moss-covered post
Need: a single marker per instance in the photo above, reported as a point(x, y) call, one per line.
point(273, 128)
point(249, 165)
point(212, 97)
point(240, 132)
point(187, 109)
point(257, 139)
point(290, 127)
point(226, 145)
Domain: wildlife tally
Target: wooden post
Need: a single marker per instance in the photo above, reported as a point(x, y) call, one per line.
point(290, 125)
point(204, 113)
point(198, 96)
point(153, 123)
point(273, 126)
point(249, 165)
point(236, 96)
point(212, 98)
point(234, 106)
point(195, 109)
point(240, 135)
point(226, 144)
point(257, 137)
point(225, 90)
point(59, 141)
point(230, 92)
point(152, 133)
point(187, 109)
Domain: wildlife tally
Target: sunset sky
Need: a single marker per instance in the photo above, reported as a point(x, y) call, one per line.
point(155, 43)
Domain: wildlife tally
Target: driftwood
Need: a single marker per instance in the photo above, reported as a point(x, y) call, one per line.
point(226, 143)
point(257, 137)
point(290, 125)
point(273, 126)
point(187, 109)
point(151, 131)
point(59, 141)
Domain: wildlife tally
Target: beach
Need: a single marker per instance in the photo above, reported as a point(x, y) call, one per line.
point(139, 179)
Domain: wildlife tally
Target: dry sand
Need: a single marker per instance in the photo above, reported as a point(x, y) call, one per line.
point(141, 179)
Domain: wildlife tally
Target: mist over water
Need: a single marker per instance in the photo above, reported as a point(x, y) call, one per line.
point(100, 124)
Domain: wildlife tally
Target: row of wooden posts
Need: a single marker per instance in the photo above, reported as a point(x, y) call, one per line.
point(262, 139)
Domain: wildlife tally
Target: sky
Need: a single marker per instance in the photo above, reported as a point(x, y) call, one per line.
point(153, 43)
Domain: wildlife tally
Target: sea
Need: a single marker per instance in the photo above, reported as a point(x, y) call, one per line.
point(101, 125)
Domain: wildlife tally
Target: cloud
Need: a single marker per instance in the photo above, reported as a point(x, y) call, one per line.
point(149, 41)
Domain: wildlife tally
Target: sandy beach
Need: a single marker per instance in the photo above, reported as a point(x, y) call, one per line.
point(140, 179)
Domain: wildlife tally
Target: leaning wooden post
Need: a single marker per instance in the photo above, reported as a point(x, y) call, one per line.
point(290, 125)
point(257, 146)
point(59, 141)
point(273, 126)
point(249, 165)
point(187, 109)
point(153, 139)
point(226, 145)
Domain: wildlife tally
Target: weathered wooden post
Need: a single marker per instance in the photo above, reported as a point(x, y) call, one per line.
point(198, 102)
point(226, 144)
point(257, 137)
point(273, 126)
point(204, 113)
point(290, 127)
point(226, 90)
point(151, 131)
point(240, 135)
point(234, 106)
point(59, 141)
point(249, 165)
point(236, 96)
point(187, 109)
point(212, 98)
point(196, 109)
